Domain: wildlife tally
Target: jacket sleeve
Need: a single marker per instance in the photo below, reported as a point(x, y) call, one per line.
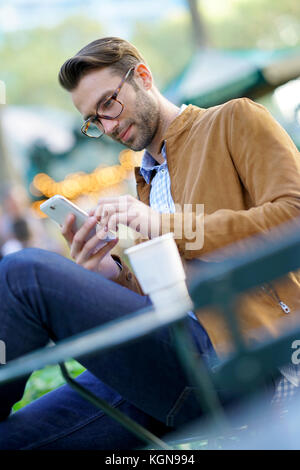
point(268, 165)
point(126, 278)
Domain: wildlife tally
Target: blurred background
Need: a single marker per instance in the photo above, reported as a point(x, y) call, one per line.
point(202, 52)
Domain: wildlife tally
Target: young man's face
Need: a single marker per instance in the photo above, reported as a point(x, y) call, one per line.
point(138, 122)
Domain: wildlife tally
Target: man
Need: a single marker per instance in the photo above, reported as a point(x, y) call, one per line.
point(236, 160)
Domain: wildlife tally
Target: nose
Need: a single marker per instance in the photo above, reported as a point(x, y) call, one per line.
point(109, 125)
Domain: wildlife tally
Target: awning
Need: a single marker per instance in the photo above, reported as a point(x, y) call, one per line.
point(215, 76)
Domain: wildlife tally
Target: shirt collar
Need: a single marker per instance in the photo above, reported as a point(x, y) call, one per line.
point(149, 164)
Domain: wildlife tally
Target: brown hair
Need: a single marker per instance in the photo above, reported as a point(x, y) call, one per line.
point(104, 52)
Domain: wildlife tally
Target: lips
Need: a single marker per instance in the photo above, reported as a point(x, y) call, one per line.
point(125, 135)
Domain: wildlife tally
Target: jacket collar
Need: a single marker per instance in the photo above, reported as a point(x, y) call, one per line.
point(177, 126)
point(179, 123)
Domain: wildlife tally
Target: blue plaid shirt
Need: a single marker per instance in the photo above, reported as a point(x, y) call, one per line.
point(160, 194)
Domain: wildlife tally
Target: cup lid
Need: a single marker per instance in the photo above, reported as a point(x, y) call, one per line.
point(151, 242)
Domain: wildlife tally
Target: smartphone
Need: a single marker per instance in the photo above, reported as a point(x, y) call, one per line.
point(58, 207)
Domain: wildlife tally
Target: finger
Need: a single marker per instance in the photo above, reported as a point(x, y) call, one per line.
point(102, 251)
point(119, 204)
point(81, 235)
point(98, 257)
point(92, 247)
point(66, 229)
point(134, 220)
point(104, 213)
point(102, 209)
point(102, 232)
point(88, 249)
point(116, 219)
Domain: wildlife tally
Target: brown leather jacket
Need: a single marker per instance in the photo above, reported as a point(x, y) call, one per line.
point(239, 162)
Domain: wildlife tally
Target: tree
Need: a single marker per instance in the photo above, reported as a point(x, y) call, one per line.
point(249, 24)
point(8, 174)
point(199, 28)
point(166, 46)
point(243, 24)
point(30, 60)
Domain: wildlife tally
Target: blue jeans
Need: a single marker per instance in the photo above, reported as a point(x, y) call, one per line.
point(46, 296)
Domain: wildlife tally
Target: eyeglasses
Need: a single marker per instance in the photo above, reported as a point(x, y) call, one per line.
point(110, 109)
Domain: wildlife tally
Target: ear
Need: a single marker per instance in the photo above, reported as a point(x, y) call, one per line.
point(143, 73)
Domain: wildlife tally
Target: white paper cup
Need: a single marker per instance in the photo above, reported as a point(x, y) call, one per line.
point(158, 267)
point(177, 293)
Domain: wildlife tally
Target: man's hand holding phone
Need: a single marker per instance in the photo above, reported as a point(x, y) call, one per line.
point(92, 254)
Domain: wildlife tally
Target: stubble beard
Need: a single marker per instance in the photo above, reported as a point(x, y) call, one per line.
point(145, 123)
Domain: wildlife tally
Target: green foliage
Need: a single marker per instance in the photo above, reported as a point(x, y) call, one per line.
point(45, 380)
point(247, 24)
point(234, 24)
point(30, 60)
point(166, 46)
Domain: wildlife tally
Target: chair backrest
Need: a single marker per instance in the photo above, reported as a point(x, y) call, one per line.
point(219, 285)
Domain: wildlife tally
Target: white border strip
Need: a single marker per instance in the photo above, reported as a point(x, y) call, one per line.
point(2, 92)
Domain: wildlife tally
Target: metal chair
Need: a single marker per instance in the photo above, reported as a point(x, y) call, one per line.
point(216, 285)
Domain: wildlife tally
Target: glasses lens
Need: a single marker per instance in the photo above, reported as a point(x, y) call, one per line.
point(93, 129)
point(110, 108)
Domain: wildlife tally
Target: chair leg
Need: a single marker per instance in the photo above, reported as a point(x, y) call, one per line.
point(141, 432)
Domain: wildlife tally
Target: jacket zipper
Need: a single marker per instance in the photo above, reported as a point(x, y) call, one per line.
point(269, 289)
